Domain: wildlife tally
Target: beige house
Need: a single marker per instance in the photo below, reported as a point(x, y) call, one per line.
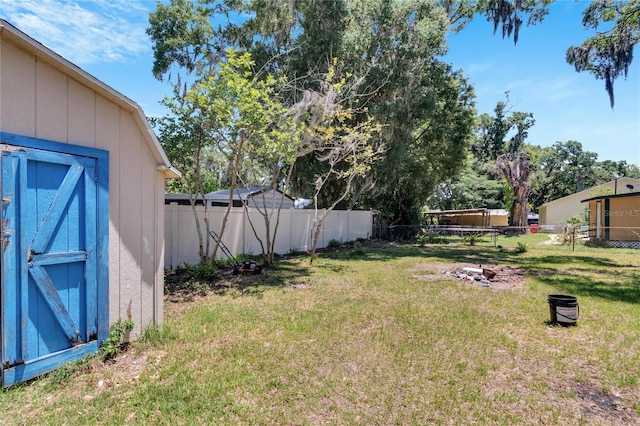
point(83, 179)
point(558, 212)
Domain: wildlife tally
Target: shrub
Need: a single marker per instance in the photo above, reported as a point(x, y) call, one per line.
point(357, 249)
point(206, 272)
point(522, 247)
point(472, 238)
point(430, 237)
point(334, 243)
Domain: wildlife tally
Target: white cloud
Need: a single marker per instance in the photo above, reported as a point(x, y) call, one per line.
point(84, 32)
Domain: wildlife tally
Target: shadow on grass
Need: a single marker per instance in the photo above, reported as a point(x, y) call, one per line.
point(625, 289)
point(179, 285)
point(586, 275)
point(577, 274)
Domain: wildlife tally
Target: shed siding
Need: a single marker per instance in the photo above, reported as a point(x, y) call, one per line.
point(41, 101)
point(82, 114)
point(621, 219)
point(148, 259)
point(51, 103)
point(17, 103)
point(625, 212)
point(130, 207)
point(559, 211)
point(158, 305)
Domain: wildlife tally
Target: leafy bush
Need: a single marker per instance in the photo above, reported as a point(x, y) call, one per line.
point(472, 238)
point(357, 249)
point(206, 272)
point(334, 243)
point(522, 247)
point(423, 238)
point(430, 237)
point(118, 338)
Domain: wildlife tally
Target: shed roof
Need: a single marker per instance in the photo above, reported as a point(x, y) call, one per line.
point(9, 32)
point(495, 212)
point(621, 183)
point(239, 193)
point(606, 197)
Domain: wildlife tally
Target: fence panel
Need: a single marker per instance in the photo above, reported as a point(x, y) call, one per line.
point(616, 237)
point(294, 232)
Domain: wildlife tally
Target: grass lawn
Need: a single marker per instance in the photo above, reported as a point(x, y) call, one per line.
point(375, 337)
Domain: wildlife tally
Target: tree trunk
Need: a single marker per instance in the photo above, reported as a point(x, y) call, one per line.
point(517, 172)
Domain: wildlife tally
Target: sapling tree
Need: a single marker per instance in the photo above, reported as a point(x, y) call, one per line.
point(189, 147)
point(249, 125)
point(344, 139)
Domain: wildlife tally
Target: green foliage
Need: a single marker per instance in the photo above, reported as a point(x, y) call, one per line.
point(333, 243)
point(371, 321)
point(206, 272)
point(378, 52)
point(118, 338)
point(562, 169)
point(492, 132)
point(155, 336)
point(381, 59)
point(357, 249)
point(61, 375)
point(472, 238)
point(423, 239)
point(430, 237)
point(576, 219)
point(475, 187)
point(608, 54)
point(521, 247)
point(507, 195)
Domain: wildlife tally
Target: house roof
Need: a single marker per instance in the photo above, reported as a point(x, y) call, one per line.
point(622, 182)
point(606, 197)
point(9, 32)
point(239, 194)
point(495, 212)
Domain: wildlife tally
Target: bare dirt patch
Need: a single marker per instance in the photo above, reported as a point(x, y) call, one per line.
point(506, 278)
point(598, 405)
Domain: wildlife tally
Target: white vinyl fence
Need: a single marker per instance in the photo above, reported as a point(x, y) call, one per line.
point(294, 230)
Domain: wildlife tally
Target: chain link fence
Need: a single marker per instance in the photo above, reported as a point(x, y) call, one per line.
point(605, 237)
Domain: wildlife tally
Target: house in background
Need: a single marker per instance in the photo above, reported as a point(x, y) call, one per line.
point(251, 197)
point(256, 196)
point(558, 212)
point(83, 179)
point(614, 220)
point(182, 199)
point(468, 217)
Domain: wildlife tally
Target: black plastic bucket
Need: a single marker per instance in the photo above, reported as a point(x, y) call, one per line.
point(564, 309)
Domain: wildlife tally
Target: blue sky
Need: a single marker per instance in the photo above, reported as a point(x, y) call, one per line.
point(107, 39)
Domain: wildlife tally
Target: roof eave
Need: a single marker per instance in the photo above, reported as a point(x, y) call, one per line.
point(22, 40)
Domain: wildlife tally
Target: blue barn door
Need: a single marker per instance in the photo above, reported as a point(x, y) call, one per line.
point(50, 270)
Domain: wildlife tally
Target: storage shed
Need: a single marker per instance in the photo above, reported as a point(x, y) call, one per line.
point(83, 180)
point(558, 212)
point(468, 217)
point(614, 220)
